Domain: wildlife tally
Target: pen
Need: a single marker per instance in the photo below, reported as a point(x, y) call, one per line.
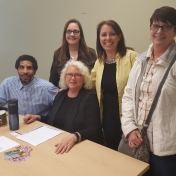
point(18, 132)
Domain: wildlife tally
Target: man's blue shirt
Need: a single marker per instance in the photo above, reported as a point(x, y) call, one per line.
point(34, 98)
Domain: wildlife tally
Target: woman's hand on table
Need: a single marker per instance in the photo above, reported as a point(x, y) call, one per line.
point(66, 144)
point(29, 118)
point(134, 138)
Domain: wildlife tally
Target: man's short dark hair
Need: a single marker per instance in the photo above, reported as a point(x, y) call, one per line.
point(28, 58)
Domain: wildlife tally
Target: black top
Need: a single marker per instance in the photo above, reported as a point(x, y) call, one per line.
point(62, 112)
point(110, 94)
point(80, 115)
point(57, 66)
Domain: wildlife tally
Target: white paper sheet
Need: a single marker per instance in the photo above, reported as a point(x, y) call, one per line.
point(39, 135)
point(6, 143)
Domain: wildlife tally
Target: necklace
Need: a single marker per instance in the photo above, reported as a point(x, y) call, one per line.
point(112, 61)
point(72, 57)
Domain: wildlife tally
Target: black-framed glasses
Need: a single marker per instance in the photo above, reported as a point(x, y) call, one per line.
point(76, 75)
point(155, 27)
point(75, 32)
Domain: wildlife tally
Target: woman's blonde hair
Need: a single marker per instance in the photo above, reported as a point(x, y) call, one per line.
point(83, 70)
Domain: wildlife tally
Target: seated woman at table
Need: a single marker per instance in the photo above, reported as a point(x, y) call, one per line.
point(75, 108)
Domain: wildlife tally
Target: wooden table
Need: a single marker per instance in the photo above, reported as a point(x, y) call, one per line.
point(85, 159)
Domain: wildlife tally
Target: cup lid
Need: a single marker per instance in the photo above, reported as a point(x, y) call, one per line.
point(2, 112)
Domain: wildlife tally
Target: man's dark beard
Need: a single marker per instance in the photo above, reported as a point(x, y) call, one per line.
point(26, 82)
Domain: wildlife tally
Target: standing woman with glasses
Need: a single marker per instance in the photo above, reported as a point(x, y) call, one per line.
point(73, 47)
point(110, 75)
point(144, 80)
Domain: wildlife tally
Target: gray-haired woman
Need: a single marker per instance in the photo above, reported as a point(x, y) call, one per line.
point(75, 108)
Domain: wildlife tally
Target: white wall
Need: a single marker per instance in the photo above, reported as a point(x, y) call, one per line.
point(35, 27)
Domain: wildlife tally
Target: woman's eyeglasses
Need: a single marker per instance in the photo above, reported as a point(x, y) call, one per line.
point(155, 27)
point(75, 32)
point(76, 75)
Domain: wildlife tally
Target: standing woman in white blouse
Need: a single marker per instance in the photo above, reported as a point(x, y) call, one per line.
point(144, 80)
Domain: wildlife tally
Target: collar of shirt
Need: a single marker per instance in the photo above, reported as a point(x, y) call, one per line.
point(164, 59)
point(28, 86)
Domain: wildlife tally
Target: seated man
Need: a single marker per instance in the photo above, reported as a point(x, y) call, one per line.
point(35, 96)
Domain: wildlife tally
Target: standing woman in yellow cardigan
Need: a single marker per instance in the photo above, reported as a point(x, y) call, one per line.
point(110, 75)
